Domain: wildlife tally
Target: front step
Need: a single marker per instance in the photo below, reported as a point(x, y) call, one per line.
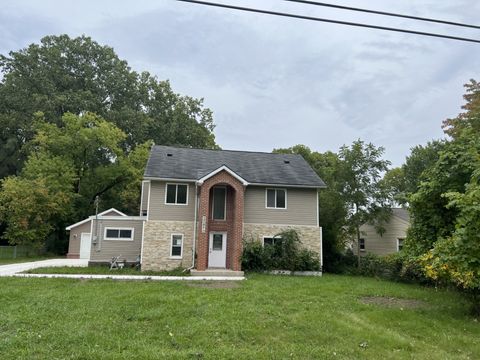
point(217, 272)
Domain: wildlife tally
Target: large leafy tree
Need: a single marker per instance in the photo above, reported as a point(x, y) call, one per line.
point(456, 162)
point(68, 166)
point(78, 75)
point(448, 235)
point(361, 187)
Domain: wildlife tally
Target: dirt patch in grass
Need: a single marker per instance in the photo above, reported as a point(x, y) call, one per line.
point(215, 284)
point(393, 302)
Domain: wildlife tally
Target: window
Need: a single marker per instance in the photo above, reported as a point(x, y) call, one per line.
point(276, 199)
point(219, 202)
point(400, 244)
point(362, 244)
point(271, 240)
point(176, 194)
point(118, 234)
point(177, 246)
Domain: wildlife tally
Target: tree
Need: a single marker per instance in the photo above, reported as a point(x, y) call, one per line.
point(451, 251)
point(456, 161)
point(77, 75)
point(362, 168)
point(69, 165)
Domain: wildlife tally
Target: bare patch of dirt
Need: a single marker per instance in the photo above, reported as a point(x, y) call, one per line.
point(214, 284)
point(393, 302)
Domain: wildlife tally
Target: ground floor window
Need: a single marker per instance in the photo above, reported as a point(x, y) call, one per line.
point(270, 240)
point(400, 244)
point(177, 246)
point(112, 233)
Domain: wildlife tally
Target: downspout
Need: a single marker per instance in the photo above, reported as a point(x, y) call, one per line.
point(194, 227)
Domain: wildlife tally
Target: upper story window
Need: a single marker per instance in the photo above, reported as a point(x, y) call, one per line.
point(276, 199)
point(362, 244)
point(219, 202)
point(118, 234)
point(176, 194)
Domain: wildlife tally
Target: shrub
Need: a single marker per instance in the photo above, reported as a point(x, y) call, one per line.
point(284, 254)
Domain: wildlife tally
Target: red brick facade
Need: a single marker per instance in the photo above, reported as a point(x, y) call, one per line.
point(232, 225)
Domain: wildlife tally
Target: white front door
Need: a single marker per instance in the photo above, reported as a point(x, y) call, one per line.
point(85, 244)
point(217, 250)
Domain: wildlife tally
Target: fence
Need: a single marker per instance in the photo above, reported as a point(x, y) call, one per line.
point(12, 252)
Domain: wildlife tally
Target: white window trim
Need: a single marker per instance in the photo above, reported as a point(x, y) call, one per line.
point(225, 203)
point(171, 246)
point(398, 243)
point(270, 237)
point(176, 194)
point(266, 199)
point(118, 228)
point(364, 245)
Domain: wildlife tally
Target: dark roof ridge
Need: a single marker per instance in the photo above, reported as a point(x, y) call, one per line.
point(229, 150)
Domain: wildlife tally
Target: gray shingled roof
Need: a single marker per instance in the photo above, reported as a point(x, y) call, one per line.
point(401, 213)
point(254, 167)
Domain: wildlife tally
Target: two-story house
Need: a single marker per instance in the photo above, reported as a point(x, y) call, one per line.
point(197, 207)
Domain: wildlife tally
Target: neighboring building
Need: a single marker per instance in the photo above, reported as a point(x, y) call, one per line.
point(390, 241)
point(198, 205)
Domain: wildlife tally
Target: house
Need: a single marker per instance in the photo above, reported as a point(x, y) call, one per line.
point(198, 205)
point(390, 241)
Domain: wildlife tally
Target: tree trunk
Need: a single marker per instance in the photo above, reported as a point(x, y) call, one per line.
point(358, 246)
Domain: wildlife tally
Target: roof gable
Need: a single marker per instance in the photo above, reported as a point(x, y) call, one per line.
point(257, 168)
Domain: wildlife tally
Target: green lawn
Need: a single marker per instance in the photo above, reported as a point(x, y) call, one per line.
point(264, 317)
point(26, 259)
point(104, 270)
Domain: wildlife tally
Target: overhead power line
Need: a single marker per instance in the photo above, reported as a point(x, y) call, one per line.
point(332, 21)
point(369, 11)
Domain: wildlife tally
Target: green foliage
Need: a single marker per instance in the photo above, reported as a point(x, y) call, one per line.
point(68, 166)
point(284, 254)
point(445, 208)
point(362, 191)
point(78, 75)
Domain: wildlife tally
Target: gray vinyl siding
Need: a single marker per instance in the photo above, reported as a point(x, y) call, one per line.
point(301, 207)
point(144, 201)
point(385, 244)
point(75, 236)
point(106, 249)
point(158, 210)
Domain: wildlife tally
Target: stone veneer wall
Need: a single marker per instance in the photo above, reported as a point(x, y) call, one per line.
point(311, 236)
point(157, 242)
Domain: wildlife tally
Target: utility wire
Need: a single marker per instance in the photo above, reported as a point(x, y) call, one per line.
point(308, 2)
point(311, 18)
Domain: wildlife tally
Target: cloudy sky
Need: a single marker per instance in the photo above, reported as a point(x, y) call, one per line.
point(274, 82)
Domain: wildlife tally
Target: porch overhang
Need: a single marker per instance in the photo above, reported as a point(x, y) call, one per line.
point(226, 169)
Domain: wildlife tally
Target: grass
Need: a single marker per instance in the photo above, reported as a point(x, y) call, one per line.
point(264, 317)
point(26, 259)
point(104, 270)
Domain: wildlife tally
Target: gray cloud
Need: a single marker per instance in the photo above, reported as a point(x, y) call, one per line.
point(275, 82)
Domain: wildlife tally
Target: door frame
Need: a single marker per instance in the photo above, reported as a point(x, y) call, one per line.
point(224, 248)
point(89, 245)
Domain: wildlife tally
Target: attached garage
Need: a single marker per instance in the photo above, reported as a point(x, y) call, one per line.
point(101, 237)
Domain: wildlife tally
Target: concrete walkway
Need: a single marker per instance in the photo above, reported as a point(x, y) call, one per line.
point(17, 269)
point(11, 269)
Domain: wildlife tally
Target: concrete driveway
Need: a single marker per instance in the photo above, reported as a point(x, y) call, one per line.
point(11, 269)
